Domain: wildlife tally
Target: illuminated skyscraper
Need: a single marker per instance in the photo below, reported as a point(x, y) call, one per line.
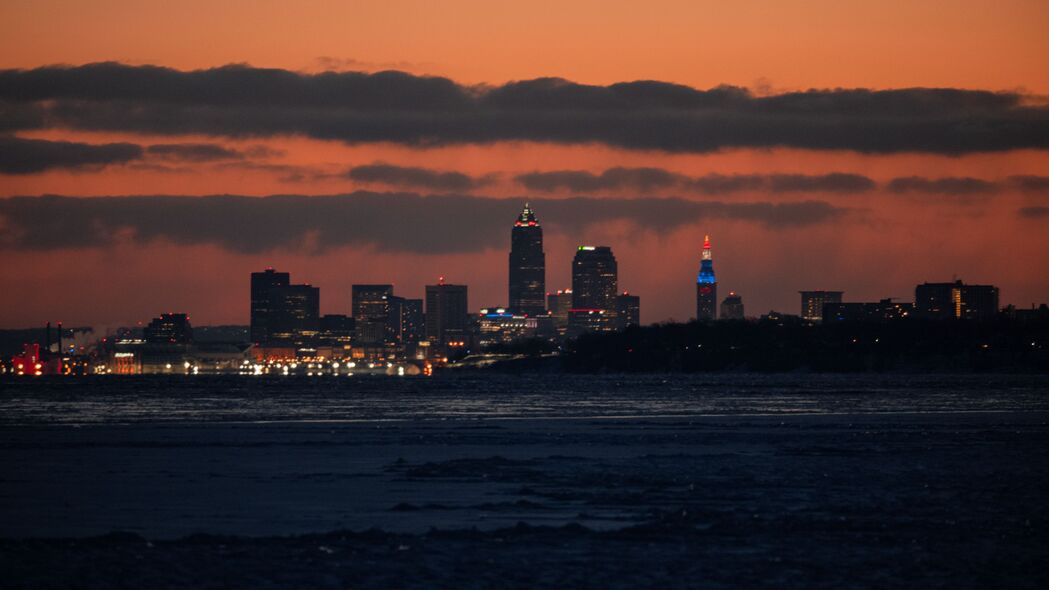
point(594, 278)
point(706, 286)
point(371, 313)
point(527, 265)
point(594, 283)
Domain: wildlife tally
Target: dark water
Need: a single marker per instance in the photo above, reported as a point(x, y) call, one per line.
point(467, 480)
point(474, 396)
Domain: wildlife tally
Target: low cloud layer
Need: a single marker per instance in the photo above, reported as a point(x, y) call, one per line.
point(942, 186)
point(20, 155)
point(413, 177)
point(392, 222)
point(1034, 212)
point(647, 179)
point(28, 156)
point(193, 152)
point(397, 107)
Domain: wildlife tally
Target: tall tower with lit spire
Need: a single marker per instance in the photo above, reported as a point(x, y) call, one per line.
point(706, 286)
point(527, 265)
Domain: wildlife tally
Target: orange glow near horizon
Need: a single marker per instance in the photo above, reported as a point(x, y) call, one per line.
point(884, 245)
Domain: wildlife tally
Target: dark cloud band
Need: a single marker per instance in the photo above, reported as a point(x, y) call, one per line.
point(413, 177)
point(646, 179)
point(394, 222)
point(28, 156)
point(20, 155)
point(398, 107)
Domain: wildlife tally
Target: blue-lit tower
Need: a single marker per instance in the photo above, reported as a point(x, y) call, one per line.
point(706, 286)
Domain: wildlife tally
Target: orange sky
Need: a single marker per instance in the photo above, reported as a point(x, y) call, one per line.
point(891, 243)
point(997, 45)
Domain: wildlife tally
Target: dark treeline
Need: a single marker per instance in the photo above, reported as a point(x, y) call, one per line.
point(909, 345)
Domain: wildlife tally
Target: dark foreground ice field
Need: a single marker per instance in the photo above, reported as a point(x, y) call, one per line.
point(722, 481)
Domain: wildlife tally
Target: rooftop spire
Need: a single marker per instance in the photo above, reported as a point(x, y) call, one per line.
point(527, 217)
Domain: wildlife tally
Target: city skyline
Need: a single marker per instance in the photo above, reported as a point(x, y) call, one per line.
point(526, 221)
point(155, 169)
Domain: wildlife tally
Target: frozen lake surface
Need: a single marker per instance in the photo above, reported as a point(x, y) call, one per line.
point(494, 480)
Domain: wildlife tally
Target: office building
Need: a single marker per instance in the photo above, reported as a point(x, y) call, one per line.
point(337, 330)
point(281, 312)
point(812, 303)
point(371, 314)
point(594, 278)
point(407, 325)
point(594, 287)
point(706, 286)
point(559, 304)
point(955, 300)
point(527, 265)
point(881, 311)
point(169, 328)
point(499, 325)
point(446, 315)
point(732, 307)
point(628, 310)
point(295, 315)
point(262, 286)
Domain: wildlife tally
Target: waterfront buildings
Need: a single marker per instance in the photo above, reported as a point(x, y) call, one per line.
point(499, 325)
point(706, 286)
point(527, 265)
point(881, 311)
point(955, 300)
point(282, 312)
point(169, 328)
point(812, 303)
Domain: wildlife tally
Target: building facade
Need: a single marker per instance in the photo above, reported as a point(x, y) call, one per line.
point(595, 279)
point(559, 304)
point(263, 285)
point(527, 265)
point(446, 315)
point(371, 313)
point(732, 307)
point(706, 286)
point(955, 300)
point(296, 314)
point(881, 311)
point(628, 310)
point(169, 328)
point(282, 312)
point(501, 326)
point(812, 303)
